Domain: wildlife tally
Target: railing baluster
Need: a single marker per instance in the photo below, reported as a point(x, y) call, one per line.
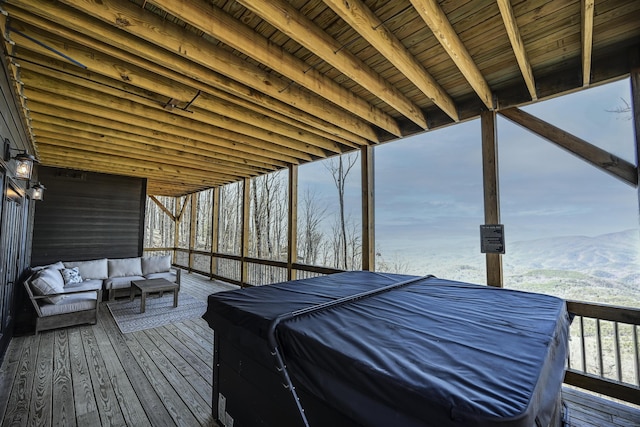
point(616, 337)
point(582, 345)
point(635, 351)
point(599, 347)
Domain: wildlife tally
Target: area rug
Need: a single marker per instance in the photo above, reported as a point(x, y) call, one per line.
point(158, 312)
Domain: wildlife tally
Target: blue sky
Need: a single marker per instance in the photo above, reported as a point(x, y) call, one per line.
point(429, 186)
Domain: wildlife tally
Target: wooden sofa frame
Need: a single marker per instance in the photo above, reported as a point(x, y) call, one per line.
point(62, 320)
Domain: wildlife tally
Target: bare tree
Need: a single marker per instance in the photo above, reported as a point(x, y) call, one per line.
point(339, 170)
point(355, 244)
point(395, 265)
point(310, 218)
point(624, 111)
point(268, 215)
point(230, 216)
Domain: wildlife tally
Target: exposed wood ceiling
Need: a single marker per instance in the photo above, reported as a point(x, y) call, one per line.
point(192, 94)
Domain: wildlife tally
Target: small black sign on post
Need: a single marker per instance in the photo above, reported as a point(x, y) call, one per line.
point(492, 239)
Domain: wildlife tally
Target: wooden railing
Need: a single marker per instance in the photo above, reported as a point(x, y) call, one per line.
point(228, 267)
point(604, 355)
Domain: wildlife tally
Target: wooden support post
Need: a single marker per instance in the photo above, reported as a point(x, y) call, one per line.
point(176, 230)
point(635, 107)
point(244, 243)
point(491, 190)
point(368, 208)
point(192, 228)
point(215, 227)
point(292, 230)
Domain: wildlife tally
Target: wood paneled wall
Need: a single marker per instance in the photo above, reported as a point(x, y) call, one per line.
point(15, 208)
point(88, 215)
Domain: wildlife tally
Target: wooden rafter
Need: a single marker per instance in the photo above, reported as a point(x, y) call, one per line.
point(229, 116)
point(216, 23)
point(439, 24)
point(517, 45)
point(111, 165)
point(134, 105)
point(369, 26)
point(47, 114)
point(276, 110)
point(258, 88)
point(596, 156)
point(301, 29)
point(587, 10)
point(166, 44)
point(129, 112)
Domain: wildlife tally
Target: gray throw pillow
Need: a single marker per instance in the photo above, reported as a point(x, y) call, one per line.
point(71, 275)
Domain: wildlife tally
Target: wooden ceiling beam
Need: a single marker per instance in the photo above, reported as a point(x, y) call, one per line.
point(584, 150)
point(108, 164)
point(221, 142)
point(215, 22)
point(444, 32)
point(176, 48)
point(206, 109)
point(118, 119)
point(169, 36)
point(304, 31)
point(162, 189)
point(158, 142)
point(76, 110)
point(68, 95)
point(587, 12)
point(221, 98)
point(368, 25)
point(69, 137)
point(50, 146)
point(99, 94)
point(517, 45)
point(102, 163)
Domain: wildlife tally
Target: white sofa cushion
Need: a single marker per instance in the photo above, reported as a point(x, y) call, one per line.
point(156, 264)
point(95, 269)
point(170, 276)
point(57, 266)
point(85, 285)
point(48, 281)
point(72, 303)
point(120, 282)
point(125, 267)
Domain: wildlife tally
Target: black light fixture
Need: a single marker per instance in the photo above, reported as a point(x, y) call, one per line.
point(24, 161)
point(37, 191)
point(24, 165)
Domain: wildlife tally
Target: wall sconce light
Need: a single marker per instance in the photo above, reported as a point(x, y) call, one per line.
point(37, 191)
point(24, 161)
point(24, 165)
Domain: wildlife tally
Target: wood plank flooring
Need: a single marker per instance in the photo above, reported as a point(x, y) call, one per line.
point(96, 376)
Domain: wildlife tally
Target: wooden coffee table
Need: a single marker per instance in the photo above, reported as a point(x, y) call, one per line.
point(152, 286)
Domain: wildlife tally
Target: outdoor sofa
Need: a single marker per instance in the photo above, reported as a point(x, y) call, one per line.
point(69, 293)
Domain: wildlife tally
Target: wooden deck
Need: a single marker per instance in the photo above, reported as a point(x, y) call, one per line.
point(95, 375)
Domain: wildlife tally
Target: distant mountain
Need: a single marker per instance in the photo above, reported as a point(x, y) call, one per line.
point(603, 269)
point(615, 255)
